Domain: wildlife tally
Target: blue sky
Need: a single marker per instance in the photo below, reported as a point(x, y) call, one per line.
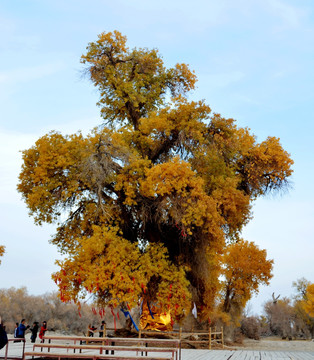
point(255, 63)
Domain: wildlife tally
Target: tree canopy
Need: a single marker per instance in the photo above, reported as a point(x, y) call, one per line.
point(308, 302)
point(245, 268)
point(147, 203)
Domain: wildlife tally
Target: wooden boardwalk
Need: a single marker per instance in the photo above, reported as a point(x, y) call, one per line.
point(245, 355)
point(15, 351)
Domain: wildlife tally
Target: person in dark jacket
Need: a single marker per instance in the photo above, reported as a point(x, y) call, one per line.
point(102, 328)
point(20, 332)
point(3, 336)
point(34, 330)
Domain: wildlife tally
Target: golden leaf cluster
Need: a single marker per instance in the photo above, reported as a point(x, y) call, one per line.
point(308, 302)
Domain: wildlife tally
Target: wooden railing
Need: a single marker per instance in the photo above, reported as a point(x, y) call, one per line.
point(216, 337)
point(212, 336)
point(143, 345)
point(14, 340)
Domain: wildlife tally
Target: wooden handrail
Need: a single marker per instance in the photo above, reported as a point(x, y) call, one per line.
point(14, 340)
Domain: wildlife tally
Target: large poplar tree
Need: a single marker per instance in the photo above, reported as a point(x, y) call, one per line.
point(147, 203)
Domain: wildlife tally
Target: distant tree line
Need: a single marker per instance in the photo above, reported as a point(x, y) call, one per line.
point(289, 318)
point(17, 304)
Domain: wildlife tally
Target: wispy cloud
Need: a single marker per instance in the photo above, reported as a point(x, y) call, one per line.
point(26, 74)
point(11, 159)
point(12, 39)
point(223, 80)
point(11, 145)
point(291, 16)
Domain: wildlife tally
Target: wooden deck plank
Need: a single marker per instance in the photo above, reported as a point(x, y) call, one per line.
point(238, 355)
point(192, 354)
point(204, 354)
point(301, 355)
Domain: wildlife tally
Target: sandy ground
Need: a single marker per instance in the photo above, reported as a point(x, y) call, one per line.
point(273, 343)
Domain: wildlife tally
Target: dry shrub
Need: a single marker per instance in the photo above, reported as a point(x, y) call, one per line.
point(251, 327)
point(238, 336)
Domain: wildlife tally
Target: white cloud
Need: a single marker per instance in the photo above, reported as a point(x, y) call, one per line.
point(11, 39)
point(10, 165)
point(26, 74)
point(185, 16)
point(290, 15)
point(6, 27)
point(222, 80)
point(11, 80)
point(11, 145)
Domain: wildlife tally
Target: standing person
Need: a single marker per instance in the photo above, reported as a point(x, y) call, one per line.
point(3, 335)
point(91, 330)
point(34, 330)
point(20, 332)
point(43, 329)
point(102, 328)
point(15, 330)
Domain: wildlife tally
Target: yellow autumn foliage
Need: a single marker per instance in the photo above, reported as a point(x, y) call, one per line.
point(146, 204)
point(245, 268)
point(308, 302)
point(109, 265)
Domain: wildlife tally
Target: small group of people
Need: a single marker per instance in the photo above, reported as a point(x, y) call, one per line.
point(20, 329)
point(92, 329)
